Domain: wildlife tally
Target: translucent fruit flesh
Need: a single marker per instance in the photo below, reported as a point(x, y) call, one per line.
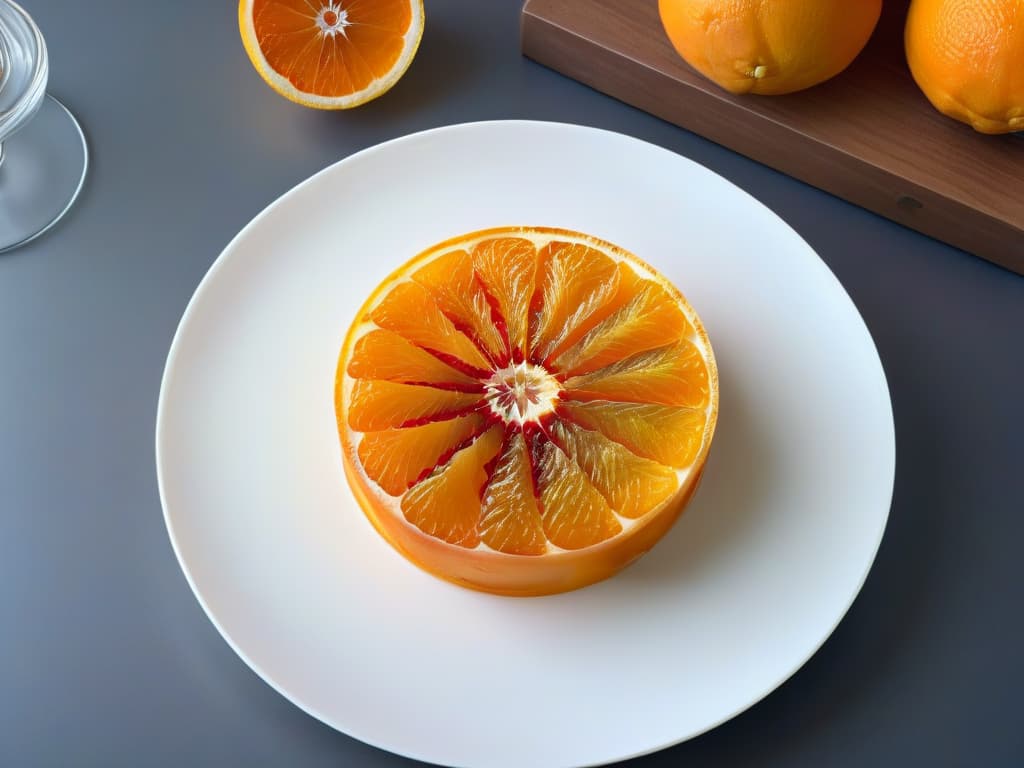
point(331, 54)
point(525, 411)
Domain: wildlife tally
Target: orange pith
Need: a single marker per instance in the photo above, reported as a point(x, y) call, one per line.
point(331, 54)
point(525, 410)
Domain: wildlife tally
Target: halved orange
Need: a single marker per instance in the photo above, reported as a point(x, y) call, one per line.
point(525, 410)
point(331, 54)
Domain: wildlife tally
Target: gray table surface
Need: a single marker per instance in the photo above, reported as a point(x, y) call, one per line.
point(106, 658)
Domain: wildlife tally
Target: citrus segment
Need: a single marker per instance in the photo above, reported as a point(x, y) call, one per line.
point(375, 33)
point(507, 266)
point(385, 355)
point(670, 435)
point(377, 405)
point(410, 311)
point(510, 520)
point(632, 486)
point(447, 504)
point(396, 458)
point(453, 284)
point(285, 29)
point(574, 513)
point(649, 319)
point(573, 282)
point(626, 284)
point(331, 54)
point(671, 375)
point(525, 411)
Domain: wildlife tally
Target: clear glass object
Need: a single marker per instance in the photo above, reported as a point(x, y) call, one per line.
point(43, 154)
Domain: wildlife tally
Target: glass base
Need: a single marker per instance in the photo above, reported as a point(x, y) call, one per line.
point(42, 169)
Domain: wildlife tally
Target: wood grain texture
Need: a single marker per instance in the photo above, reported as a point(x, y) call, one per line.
point(868, 135)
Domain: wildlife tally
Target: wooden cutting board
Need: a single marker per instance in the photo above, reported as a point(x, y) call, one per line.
point(868, 135)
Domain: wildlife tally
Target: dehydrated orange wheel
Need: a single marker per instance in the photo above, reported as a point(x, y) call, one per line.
point(525, 410)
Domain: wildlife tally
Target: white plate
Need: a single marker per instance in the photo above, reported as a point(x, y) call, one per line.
point(742, 591)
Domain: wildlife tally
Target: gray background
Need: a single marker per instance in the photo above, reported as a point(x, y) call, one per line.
point(106, 658)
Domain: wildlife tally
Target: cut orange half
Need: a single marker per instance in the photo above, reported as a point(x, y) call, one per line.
point(525, 411)
point(331, 54)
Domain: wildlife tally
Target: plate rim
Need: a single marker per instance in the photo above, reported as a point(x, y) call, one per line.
point(230, 249)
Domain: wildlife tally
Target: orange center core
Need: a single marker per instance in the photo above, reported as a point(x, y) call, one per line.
point(330, 18)
point(522, 393)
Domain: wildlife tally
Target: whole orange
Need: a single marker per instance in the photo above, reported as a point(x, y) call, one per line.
point(769, 47)
point(968, 58)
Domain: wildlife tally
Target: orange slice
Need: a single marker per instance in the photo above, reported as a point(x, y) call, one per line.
point(331, 54)
point(525, 410)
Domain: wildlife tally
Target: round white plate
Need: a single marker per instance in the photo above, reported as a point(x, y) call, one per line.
point(742, 591)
